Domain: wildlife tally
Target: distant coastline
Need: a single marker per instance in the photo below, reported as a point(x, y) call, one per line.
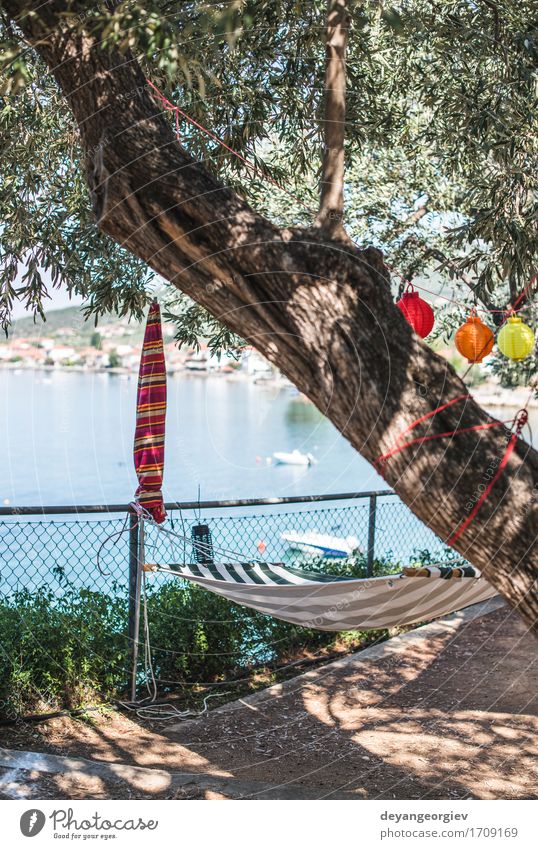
point(68, 344)
point(489, 395)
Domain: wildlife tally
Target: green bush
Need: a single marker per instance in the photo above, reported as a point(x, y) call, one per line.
point(62, 650)
point(354, 566)
point(197, 636)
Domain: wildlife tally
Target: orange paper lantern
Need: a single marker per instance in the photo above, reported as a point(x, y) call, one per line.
point(474, 340)
point(417, 311)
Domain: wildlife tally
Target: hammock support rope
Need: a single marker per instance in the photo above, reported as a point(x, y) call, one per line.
point(518, 423)
point(312, 600)
point(329, 602)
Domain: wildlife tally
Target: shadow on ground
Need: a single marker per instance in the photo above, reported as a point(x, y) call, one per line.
point(448, 711)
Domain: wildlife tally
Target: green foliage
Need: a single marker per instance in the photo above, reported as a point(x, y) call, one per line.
point(63, 651)
point(49, 236)
point(512, 374)
point(441, 144)
point(193, 324)
point(354, 566)
point(58, 651)
point(114, 359)
point(447, 556)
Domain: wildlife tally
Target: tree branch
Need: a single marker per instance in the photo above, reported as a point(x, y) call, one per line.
point(320, 310)
point(331, 207)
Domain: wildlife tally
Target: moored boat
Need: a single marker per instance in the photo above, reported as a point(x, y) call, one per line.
point(326, 545)
point(294, 458)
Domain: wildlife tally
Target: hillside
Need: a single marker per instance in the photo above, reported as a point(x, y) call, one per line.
point(71, 318)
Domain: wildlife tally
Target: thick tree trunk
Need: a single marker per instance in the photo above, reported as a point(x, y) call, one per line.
point(320, 310)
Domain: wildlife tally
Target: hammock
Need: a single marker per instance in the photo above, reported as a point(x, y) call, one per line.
point(312, 600)
point(331, 603)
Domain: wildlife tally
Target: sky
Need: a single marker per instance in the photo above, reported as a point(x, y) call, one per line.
point(59, 298)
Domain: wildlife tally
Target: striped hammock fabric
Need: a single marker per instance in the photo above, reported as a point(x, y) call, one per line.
point(150, 418)
point(332, 603)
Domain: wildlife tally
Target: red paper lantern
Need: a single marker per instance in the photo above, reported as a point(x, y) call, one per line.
point(474, 340)
point(418, 312)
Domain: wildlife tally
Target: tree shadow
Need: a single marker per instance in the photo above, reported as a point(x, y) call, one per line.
point(452, 716)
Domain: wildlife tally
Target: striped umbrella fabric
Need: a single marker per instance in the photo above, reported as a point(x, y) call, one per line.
point(331, 603)
point(150, 418)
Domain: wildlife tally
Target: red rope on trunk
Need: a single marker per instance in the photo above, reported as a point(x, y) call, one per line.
point(520, 422)
point(419, 439)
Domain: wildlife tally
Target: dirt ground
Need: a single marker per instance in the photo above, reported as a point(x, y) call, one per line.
point(448, 711)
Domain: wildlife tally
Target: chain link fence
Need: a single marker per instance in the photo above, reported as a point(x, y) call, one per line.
point(94, 552)
point(70, 589)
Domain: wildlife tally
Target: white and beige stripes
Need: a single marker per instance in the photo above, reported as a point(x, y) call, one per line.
point(335, 604)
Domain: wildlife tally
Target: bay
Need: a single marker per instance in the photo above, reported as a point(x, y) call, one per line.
point(67, 439)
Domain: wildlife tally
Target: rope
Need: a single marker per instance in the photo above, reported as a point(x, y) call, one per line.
point(171, 107)
point(381, 460)
point(115, 534)
point(510, 310)
point(236, 556)
point(433, 412)
point(146, 708)
point(520, 421)
point(420, 439)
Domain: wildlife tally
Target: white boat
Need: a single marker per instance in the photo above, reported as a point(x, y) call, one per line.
point(326, 545)
point(294, 458)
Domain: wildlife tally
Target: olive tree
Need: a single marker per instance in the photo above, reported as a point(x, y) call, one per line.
point(411, 128)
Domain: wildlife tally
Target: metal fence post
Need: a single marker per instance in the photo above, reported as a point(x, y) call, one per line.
point(136, 537)
point(371, 537)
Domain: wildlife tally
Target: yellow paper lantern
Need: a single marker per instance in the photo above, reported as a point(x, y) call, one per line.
point(515, 339)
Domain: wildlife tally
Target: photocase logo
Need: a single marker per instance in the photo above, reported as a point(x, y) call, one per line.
point(32, 822)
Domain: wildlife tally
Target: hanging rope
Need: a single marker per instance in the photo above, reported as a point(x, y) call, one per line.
point(507, 311)
point(520, 421)
point(147, 708)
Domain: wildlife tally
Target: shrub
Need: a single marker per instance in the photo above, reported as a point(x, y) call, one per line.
point(58, 651)
point(61, 650)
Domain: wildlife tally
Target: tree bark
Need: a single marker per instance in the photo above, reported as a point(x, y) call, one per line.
point(320, 310)
point(331, 207)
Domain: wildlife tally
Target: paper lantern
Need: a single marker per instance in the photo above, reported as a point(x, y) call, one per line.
point(474, 340)
point(515, 339)
point(418, 312)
